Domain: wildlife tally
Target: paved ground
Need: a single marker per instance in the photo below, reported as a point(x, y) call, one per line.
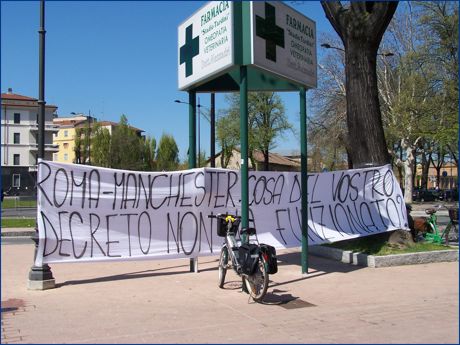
point(161, 302)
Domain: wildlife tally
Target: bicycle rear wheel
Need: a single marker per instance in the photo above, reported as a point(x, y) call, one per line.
point(223, 262)
point(257, 283)
point(452, 233)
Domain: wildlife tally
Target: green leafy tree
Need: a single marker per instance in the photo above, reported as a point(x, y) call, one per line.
point(124, 149)
point(227, 135)
point(101, 144)
point(202, 159)
point(167, 158)
point(266, 122)
point(148, 154)
point(127, 148)
point(78, 146)
point(439, 22)
point(82, 144)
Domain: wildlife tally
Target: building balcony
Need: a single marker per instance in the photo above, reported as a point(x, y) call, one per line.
point(48, 128)
point(48, 147)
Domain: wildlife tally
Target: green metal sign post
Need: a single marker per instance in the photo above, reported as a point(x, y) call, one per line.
point(304, 177)
point(192, 149)
point(244, 148)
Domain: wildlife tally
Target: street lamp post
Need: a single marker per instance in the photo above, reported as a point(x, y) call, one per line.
point(192, 161)
point(199, 106)
point(40, 276)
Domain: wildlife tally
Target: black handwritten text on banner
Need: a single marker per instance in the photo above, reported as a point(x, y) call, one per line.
point(91, 214)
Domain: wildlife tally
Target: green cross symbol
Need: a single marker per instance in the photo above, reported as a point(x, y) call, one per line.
point(189, 50)
point(270, 32)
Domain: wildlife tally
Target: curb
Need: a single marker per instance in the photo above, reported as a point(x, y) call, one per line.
point(360, 259)
point(18, 233)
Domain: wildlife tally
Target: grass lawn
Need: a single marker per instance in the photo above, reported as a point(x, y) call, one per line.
point(18, 222)
point(12, 203)
point(378, 246)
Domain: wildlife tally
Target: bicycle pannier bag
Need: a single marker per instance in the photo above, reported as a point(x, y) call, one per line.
point(248, 257)
point(272, 260)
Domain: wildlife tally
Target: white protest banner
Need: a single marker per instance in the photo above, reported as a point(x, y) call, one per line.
point(91, 214)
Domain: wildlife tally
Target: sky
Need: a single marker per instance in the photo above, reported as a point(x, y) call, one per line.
point(109, 58)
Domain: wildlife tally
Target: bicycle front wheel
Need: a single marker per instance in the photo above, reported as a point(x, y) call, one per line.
point(257, 283)
point(223, 262)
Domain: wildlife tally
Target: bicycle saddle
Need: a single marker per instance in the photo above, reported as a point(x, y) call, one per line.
point(430, 211)
point(248, 231)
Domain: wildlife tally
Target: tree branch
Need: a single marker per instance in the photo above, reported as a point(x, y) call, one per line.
point(380, 17)
point(335, 13)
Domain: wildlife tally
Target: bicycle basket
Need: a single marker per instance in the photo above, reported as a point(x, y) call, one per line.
point(221, 227)
point(453, 215)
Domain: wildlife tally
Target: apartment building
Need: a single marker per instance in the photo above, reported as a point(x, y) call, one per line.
point(19, 147)
point(65, 137)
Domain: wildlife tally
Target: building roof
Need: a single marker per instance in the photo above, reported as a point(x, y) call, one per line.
point(114, 124)
point(69, 123)
point(16, 97)
point(107, 124)
point(273, 158)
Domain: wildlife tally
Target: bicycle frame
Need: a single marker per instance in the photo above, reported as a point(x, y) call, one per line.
point(232, 244)
point(436, 236)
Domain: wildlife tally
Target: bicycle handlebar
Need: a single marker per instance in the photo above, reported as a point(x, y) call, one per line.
point(225, 215)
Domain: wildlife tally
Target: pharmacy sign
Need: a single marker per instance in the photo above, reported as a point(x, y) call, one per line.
point(283, 42)
point(206, 43)
point(275, 42)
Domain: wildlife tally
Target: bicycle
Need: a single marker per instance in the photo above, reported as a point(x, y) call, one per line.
point(251, 261)
point(449, 234)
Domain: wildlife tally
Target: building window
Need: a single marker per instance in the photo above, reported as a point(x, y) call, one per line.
point(16, 180)
point(17, 118)
point(66, 145)
point(66, 133)
point(66, 156)
point(16, 137)
point(16, 159)
point(55, 156)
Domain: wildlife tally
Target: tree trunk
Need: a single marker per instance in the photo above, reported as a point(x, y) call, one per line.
point(361, 26)
point(266, 161)
point(425, 169)
point(349, 160)
point(408, 173)
point(364, 120)
point(453, 155)
point(438, 165)
point(400, 168)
